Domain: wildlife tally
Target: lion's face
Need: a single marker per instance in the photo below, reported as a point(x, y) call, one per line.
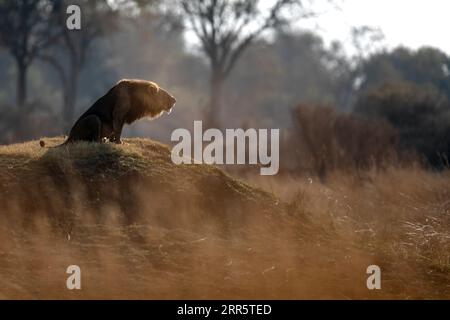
point(164, 100)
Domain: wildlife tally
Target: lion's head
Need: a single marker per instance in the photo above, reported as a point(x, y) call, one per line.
point(160, 100)
point(147, 99)
point(163, 99)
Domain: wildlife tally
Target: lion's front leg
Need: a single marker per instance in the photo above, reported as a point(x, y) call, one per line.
point(119, 113)
point(117, 130)
point(117, 133)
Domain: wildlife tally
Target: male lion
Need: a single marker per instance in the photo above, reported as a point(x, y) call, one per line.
point(126, 102)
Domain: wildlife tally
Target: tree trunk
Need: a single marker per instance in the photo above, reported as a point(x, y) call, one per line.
point(21, 99)
point(21, 84)
point(70, 96)
point(213, 114)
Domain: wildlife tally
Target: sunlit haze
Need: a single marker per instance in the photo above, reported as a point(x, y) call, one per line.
point(412, 23)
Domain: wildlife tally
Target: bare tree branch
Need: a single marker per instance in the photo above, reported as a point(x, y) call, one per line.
point(225, 28)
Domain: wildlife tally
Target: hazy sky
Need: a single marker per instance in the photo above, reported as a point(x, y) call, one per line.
point(412, 23)
point(409, 22)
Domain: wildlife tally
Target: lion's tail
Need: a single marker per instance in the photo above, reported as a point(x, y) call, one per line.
point(42, 144)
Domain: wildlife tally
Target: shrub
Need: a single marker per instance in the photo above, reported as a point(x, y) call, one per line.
point(420, 113)
point(323, 139)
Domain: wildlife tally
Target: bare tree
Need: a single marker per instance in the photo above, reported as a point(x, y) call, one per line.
point(225, 28)
point(69, 55)
point(367, 40)
point(25, 30)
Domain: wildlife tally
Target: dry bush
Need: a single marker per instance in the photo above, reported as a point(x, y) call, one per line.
point(324, 140)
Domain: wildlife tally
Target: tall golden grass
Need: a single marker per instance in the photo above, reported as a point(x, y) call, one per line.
point(140, 227)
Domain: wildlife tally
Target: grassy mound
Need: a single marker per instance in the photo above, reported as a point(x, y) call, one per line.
point(128, 210)
point(138, 178)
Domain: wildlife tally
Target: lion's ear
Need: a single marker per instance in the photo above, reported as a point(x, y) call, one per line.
point(154, 89)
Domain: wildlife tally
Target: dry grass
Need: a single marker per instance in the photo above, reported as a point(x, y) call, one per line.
point(141, 227)
point(398, 217)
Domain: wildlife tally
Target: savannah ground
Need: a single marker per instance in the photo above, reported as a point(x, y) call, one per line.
point(141, 227)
